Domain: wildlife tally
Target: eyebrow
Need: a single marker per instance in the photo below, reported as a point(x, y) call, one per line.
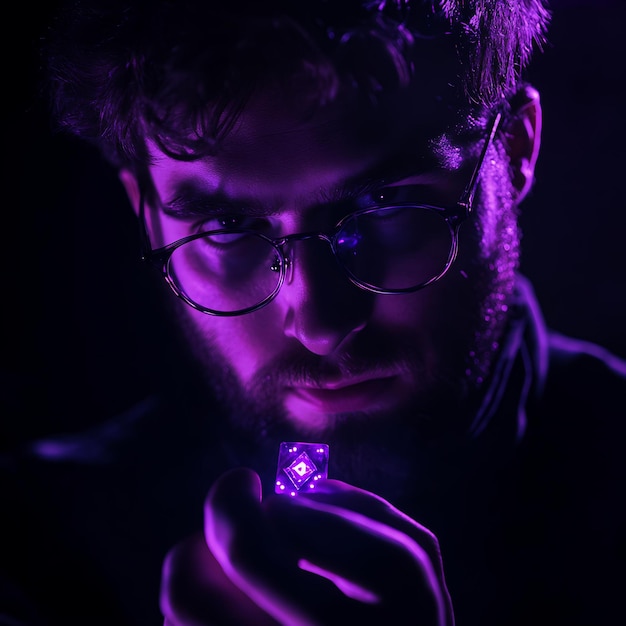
point(387, 173)
point(190, 201)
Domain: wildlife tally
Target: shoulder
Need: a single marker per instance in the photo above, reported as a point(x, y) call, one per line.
point(585, 380)
point(574, 447)
point(569, 501)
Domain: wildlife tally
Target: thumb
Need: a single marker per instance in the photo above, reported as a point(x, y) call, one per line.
point(232, 509)
point(239, 485)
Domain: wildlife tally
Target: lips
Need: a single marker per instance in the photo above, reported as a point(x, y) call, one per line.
point(347, 395)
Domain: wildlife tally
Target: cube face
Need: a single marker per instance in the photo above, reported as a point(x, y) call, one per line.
point(300, 466)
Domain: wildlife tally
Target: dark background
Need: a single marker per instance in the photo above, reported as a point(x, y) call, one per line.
point(79, 323)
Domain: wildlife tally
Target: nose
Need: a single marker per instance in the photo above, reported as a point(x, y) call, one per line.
point(322, 308)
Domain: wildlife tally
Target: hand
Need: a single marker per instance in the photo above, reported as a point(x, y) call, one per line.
point(322, 558)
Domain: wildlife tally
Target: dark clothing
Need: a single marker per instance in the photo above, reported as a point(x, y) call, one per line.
point(529, 509)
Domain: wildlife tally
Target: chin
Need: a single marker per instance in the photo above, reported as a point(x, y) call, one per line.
point(308, 421)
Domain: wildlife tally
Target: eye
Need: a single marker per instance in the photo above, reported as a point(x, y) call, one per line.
point(391, 195)
point(229, 222)
point(429, 195)
point(233, 227)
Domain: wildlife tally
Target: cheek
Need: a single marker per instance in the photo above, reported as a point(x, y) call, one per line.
point(438, 323)
point(438, 308)
point(245, 344)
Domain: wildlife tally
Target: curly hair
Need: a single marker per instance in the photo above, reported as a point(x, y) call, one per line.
point(118, 72)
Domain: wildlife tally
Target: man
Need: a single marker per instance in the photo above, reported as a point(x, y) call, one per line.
point(330, 191)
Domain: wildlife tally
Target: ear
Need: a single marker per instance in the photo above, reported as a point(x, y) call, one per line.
point(523, 135)
point(129, 180)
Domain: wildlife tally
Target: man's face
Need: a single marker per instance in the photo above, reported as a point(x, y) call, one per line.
point(326, 356)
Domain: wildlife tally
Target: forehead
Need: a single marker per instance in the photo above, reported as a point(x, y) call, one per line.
point(281, 147)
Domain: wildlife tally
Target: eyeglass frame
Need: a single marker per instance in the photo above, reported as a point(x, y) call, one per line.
point(453, 215)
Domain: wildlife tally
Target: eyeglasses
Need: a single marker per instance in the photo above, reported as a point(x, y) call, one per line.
point(393, 247)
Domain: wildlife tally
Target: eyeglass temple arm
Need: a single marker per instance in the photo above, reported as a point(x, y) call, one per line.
point(467, 198)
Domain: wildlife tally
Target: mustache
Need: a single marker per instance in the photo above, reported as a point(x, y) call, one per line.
point(300, 368)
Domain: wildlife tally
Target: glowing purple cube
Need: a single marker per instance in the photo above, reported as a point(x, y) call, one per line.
point(300, 466)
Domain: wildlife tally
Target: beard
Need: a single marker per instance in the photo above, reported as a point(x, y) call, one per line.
point(388, 454)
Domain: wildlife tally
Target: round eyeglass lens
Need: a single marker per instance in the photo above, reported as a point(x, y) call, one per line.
point(226, 271)
point(395, 248)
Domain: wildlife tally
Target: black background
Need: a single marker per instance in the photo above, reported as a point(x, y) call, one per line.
point(79, 324)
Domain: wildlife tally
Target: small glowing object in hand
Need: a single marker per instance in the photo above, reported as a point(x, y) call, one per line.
point(300, 466)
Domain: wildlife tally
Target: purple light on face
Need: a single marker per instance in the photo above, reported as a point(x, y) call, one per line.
point(300, 465)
